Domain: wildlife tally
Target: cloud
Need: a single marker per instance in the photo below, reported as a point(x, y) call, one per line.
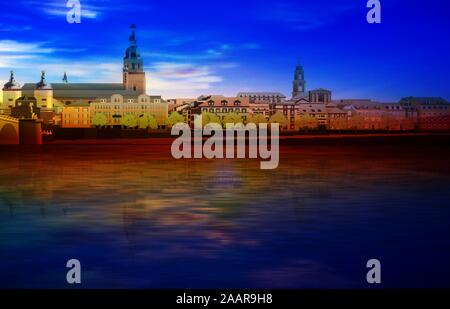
point(181, 79)
point(10, 46)
point(90, 9)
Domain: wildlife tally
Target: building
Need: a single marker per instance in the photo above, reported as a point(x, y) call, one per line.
point(264, 109)
point(11, 92)
point(371, 115)
point(220, 106)
point(76, 115)
point(263, 97)
point(337, 117)
point(55, 96)
point(26, 108)
point(299, 83)
point(115, 107)
point(433, 114)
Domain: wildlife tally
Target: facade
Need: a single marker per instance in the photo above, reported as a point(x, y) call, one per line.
point(433, 114)
point(26, 108)
point(264, 109)
point(263, 97)
point(372, 115)
point(117, 106)
point(220, 106)
point(76, 115)
point(11, 92)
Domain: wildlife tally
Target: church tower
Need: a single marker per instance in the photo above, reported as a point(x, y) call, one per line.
point(133, 67)
point(298, 89)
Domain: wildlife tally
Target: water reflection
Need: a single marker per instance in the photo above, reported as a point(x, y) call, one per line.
point(137, 218)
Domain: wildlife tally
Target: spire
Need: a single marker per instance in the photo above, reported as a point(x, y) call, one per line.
point(64, 79)
point(298, 87)
point(132, 38)
point(11, 76)
point(11, 84)
point(132, 62)
point(42, 84)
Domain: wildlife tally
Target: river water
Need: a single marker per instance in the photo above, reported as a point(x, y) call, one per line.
point(136, 218)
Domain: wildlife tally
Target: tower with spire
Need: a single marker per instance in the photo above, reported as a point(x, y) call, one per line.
point(298, 87)
point(11, 92)
point(133, 66)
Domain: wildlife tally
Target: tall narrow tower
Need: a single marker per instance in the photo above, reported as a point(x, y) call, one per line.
point(298, 87)
point(133, 67)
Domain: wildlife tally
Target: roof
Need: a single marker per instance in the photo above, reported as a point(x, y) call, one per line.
point(77, 104)
point(425, 100)
point(262, 93)
point(91, 94)
point(320, 89)
point(88, 86)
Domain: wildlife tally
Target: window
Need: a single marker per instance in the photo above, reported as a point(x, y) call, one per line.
point(237, 103)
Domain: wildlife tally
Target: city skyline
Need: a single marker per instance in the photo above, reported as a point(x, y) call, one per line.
point(185, 57)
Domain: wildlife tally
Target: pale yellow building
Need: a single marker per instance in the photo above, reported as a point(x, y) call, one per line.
point(117, 106)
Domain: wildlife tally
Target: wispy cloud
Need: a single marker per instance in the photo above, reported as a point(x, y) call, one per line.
point(90, 9)
point(10, 46)
point(181, 79)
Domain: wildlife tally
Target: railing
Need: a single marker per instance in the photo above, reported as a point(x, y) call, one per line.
point(8, 118)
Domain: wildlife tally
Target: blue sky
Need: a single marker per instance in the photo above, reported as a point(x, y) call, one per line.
point(223, 47)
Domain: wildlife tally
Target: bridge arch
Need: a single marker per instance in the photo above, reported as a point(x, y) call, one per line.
point(9, 130)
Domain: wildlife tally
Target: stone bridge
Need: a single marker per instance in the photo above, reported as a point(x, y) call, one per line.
point(9, 130)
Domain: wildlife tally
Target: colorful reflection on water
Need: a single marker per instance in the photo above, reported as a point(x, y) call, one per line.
point(137, 218)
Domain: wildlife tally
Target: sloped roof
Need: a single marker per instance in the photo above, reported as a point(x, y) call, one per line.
point(88, 86)
point(261, 94)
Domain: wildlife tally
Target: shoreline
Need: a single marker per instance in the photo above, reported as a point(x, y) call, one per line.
point(284, 139)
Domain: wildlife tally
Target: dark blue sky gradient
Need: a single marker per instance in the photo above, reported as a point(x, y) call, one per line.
point(196, 47)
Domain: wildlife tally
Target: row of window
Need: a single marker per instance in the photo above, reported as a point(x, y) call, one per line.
point(76, 116)
point(118, 100)
point(85, 122)
point(224, 110)
point(224, 103)
point(434, 107)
